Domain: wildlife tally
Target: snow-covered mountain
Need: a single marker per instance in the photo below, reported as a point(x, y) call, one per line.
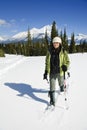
point(35, 34)
point(80, 37)
point(38, 34)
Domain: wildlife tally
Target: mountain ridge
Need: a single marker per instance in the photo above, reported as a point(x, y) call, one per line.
point(38, 34)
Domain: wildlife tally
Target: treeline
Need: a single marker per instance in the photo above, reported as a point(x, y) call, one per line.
point(39, 47)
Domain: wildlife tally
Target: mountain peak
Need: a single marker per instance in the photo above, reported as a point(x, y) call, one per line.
point(38, 34)
point(81, 37)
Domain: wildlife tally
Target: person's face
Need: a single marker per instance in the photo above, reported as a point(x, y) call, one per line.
point(56, 45)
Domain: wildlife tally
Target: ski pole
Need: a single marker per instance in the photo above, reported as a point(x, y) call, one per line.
point(65, 86)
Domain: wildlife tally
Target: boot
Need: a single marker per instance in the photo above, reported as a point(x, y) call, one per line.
point(52, 97)
point(62, 88)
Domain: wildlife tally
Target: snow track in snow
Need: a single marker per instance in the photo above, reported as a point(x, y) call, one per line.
point(10, 62)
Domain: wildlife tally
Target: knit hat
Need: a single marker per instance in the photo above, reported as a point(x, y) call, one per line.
point(57, 39)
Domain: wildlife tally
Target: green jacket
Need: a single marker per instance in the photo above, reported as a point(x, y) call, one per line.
point(63, 57)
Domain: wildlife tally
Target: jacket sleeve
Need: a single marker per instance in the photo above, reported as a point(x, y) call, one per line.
point(47, 62)
point(66, 60)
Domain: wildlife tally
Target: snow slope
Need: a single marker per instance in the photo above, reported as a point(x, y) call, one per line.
point(24, 98)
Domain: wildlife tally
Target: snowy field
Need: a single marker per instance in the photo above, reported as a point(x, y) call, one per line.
point(24, 98)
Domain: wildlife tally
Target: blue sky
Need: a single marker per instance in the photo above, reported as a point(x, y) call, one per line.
point(17, 15)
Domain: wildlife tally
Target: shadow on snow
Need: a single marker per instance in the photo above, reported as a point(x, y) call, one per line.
point(28, 90)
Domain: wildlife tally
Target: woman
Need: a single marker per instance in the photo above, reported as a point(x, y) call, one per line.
point(56, 63)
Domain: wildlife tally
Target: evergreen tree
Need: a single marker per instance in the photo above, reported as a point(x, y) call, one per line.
point(37, 50)
point(78, 48)
point(46, 39)
point(84, 46)
point(72, 48)
point(65, 40)
point(29, 37)
point(54, 31)
point(2, 53)
point(61, 34)
point(28, 44)
point(19, 51)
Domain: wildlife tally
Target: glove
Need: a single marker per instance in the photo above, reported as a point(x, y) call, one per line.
point(64, 68)
point(45, 75)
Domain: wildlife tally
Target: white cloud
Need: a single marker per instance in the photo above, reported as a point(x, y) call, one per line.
point(14, 31)
point(4, 22)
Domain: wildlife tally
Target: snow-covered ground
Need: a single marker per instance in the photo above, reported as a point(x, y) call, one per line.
point(24, 97)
